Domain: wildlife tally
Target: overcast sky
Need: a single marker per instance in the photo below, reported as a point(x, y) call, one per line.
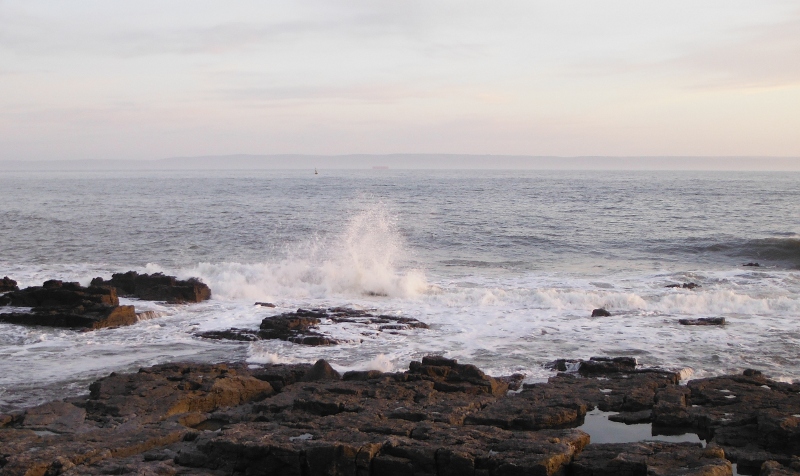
point(151, 79)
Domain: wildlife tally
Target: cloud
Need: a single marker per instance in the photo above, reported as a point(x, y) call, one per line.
point(756, 56)
point(763, 56)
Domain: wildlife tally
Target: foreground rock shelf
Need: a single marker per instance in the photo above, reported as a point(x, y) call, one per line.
point(437, 418)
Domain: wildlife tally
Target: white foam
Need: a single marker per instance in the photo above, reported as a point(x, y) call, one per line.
point(366, 258)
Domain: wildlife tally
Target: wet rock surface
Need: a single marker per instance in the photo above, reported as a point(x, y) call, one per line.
point(59, 304)
point(439, 417)
point(600, 313)
point(302, 326)
point(157, 287)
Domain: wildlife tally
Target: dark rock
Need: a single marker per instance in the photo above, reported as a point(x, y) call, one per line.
point(684, 285)
point(752, 264)
point(301, 326)
point(600, 313)
point(59, 304)
point(439, 417)
point(606, 365)
point(7, 284)
point(55, 294)
point(450, 376)
point(632, 418)
point(703, 321)
point(514, 381)
point(157, 287)
point(264, 304)
point(652, 458)
point(321, 370)
point(95, 317)
point(774, 468)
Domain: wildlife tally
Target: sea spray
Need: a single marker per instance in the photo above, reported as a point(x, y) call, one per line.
point(366, 257)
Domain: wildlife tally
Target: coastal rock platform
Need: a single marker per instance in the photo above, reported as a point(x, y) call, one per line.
point(439, 417)
point(302, 326)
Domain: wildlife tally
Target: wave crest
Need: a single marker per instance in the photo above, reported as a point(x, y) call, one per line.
point(366, 258)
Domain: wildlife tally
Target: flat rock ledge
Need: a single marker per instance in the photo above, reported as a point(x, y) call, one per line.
point(302, 326)
point(439, 417)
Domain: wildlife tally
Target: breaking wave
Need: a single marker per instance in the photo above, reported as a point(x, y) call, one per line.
point(366, 258)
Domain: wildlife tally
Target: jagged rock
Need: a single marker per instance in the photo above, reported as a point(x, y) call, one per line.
point(600, 313)
point(157, 287)
point(7, 284)
point(57, 294)
point(703, 321)
point(321, 370)
point(59, 304)
point(756, 265)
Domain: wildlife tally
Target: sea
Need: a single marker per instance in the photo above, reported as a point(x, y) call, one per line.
point(505, 266)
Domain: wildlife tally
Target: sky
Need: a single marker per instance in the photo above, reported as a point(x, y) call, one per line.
point(147, 80)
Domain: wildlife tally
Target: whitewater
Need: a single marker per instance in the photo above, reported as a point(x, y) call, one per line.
point(504, 266)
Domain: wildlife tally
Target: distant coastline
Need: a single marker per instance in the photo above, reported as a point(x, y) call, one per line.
point(416, 161)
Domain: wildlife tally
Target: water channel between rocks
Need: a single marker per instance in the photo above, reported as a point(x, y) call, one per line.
point(603, 430)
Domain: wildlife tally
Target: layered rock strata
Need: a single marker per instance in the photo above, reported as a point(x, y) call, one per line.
point(437, 418)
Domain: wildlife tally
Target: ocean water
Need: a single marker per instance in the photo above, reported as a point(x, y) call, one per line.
point(505, 267)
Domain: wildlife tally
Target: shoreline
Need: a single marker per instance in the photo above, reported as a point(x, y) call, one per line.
point(437, 417)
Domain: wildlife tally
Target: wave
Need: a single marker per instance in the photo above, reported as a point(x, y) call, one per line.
point(366, 258)
point(784, 250)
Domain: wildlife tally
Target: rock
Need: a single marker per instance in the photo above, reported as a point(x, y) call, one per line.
point(264, 304)
point(321, 370)
point(59, 304)
point(605, 365)
point(703, 321)
point(96, 317)
point(774, 468)
point(438, 417)
point(7, 284)
point(595, 365)
point(652, 458)
point(632, 418)
point(752, 264)
point(56, 294)
point(600, 313)
point(301, 326)
point(684, 285)
point(57, 417)
point(157, 287)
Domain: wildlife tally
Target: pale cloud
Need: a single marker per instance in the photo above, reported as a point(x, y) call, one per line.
point(181, 77)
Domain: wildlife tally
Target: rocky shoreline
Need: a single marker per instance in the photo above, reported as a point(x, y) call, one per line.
point(66, 304)
point(439, 417)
